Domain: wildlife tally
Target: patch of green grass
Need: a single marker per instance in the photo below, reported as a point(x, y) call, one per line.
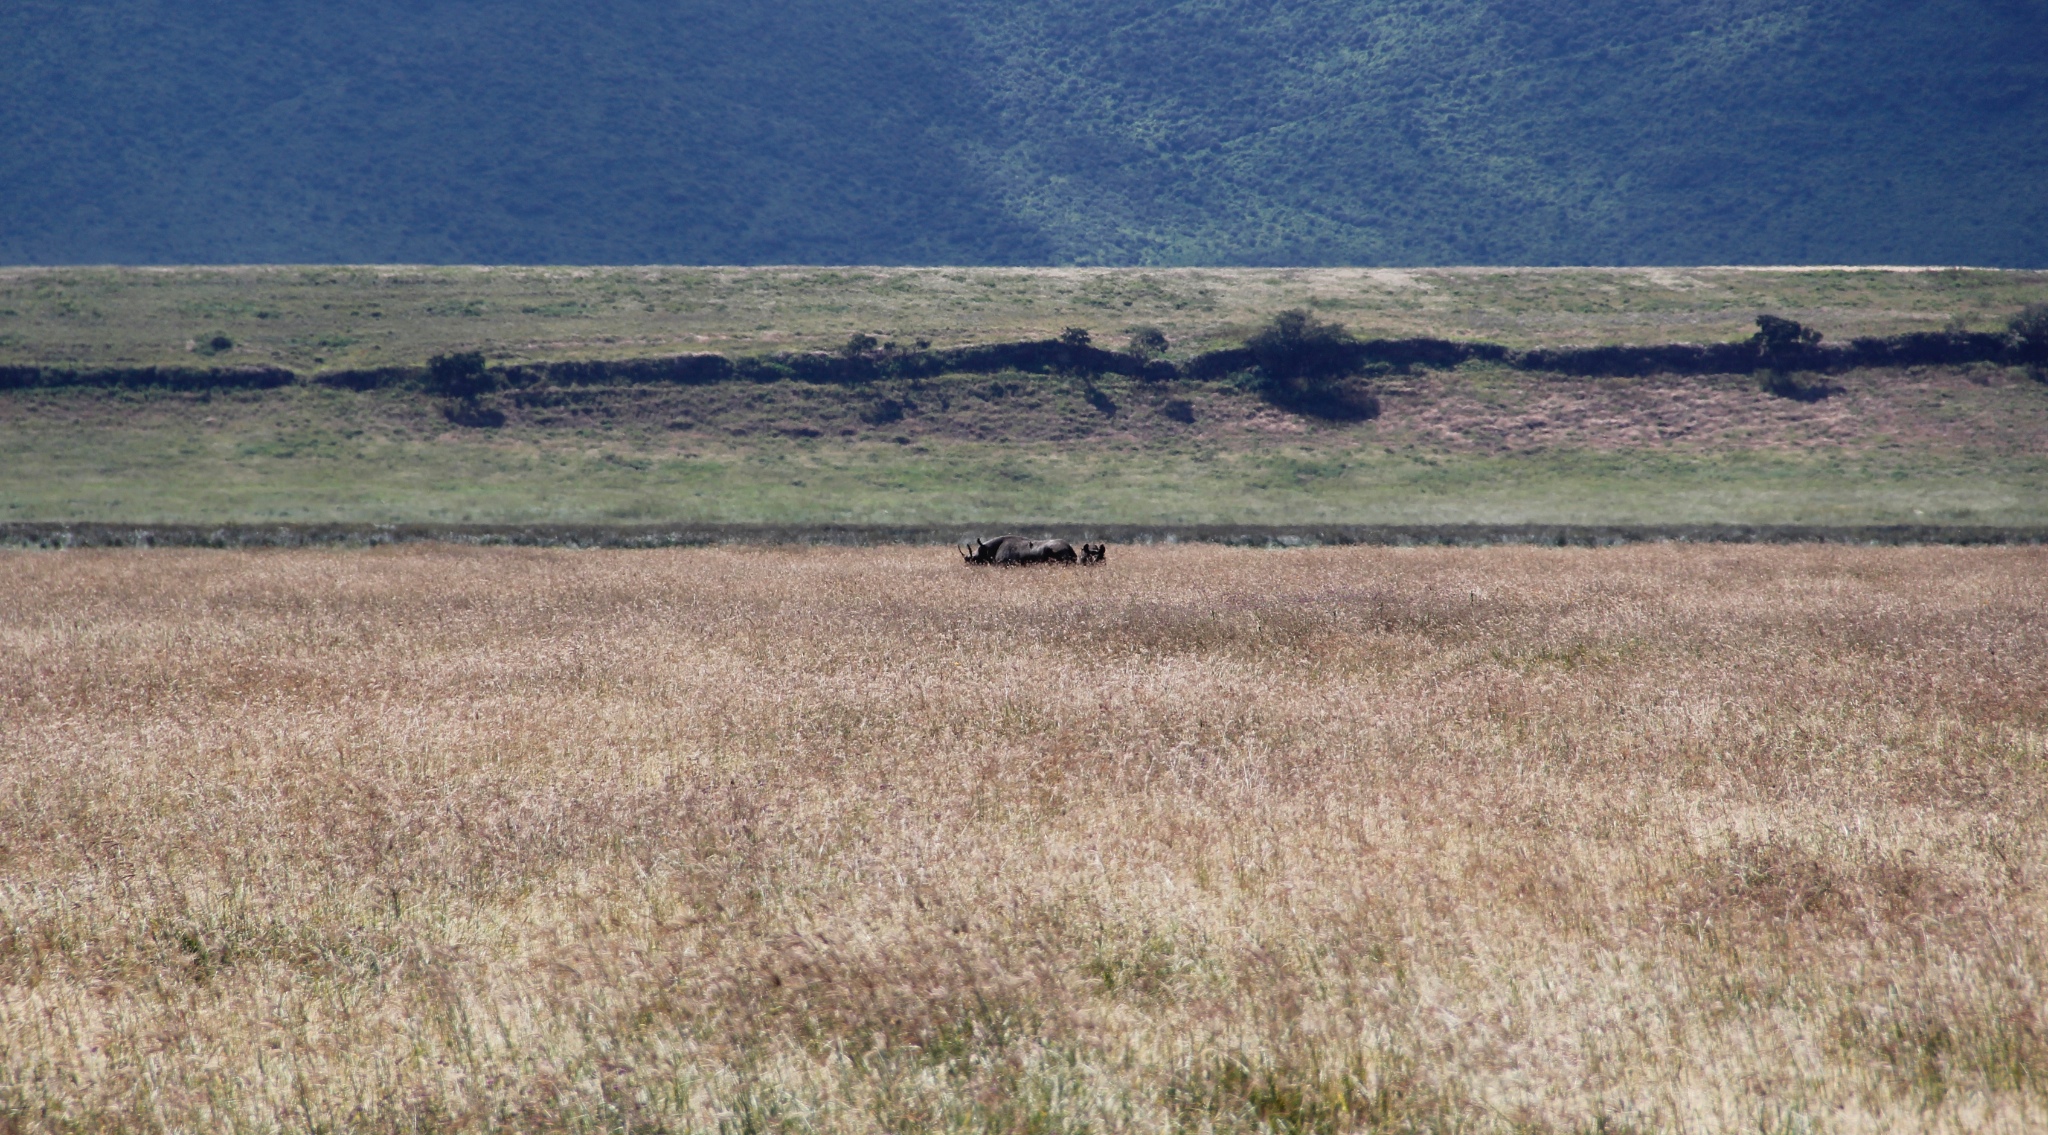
point(316, 455)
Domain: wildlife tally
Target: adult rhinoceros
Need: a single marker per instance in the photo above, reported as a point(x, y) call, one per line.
point(1012, 550)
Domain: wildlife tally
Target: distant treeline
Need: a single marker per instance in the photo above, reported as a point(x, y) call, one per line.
point(1779, 346)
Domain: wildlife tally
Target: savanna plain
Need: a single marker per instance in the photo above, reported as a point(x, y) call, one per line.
point(1203, 839)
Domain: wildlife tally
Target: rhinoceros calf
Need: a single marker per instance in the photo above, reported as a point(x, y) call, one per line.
point(1010, 551)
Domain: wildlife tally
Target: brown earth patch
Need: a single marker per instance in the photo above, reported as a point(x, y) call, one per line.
point(1987, 408)
point(1984, 409)
point(1480, 409)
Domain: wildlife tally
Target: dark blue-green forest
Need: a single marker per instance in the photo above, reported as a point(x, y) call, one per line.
point(1273, 132)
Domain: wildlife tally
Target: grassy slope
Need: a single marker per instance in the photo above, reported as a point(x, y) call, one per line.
point(1452, 448)
point(1479, 444)
point(714, 132)
point(1026, 132)
point(312, 318)
point(1521, 131)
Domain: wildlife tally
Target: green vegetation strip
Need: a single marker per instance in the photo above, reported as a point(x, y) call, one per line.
point(61, 536)
point(1293, 342)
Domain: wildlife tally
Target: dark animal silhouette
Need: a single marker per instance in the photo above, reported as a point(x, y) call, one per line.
point(1011, 551)
point(1094, 553)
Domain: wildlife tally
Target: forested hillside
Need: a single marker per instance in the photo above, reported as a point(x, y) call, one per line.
point(1026, 131)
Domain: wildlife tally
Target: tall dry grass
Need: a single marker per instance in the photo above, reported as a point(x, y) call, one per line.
point(1702, 839)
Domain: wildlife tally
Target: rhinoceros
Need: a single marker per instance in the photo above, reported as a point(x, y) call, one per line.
point(1012, 550)
point(1094, 553)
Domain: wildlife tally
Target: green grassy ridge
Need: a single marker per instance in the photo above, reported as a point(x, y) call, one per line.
point(1027, 131)
point(313, 319)
point(315, 455)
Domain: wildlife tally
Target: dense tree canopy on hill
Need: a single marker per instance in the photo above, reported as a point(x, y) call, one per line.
point(1026, 131)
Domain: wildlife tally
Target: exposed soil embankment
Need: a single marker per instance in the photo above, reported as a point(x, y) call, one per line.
point(1485, 411)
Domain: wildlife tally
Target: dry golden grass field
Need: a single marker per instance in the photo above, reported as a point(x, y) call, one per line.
point(1655, 838)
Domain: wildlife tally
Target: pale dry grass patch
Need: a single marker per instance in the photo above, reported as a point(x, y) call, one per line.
point(1700, 838)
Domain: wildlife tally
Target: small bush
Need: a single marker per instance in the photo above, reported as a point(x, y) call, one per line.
point(1309, 366)
point(884, 411)
point(2029, 330)
point(473, 413)
point(1782, 343)
point(1336, 401)
point(1781, 346)
point(1146, 343)
point(1075, 337)
point(858, 344)
point(1296, 347)
point(460, 375)
point(1797, 387)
